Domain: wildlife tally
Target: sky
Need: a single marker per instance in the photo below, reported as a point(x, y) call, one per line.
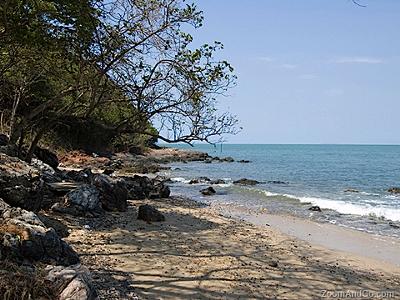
point(310, 71)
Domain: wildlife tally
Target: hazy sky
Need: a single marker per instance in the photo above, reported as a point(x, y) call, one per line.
point(310, 71)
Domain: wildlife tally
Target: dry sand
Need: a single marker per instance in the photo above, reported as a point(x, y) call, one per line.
point(198, 254)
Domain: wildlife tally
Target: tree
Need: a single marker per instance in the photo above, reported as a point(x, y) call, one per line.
point(78, 59)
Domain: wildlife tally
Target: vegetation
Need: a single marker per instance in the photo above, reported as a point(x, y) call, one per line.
point(123, 66)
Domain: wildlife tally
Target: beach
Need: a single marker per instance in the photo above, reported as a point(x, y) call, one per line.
point(199, 254)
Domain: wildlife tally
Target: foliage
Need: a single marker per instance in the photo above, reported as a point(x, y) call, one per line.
point(123, 64)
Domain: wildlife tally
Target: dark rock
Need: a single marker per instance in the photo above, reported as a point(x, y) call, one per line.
point(113, 192)
point(47, 157)
point(208, 161)
point(277, 182)
point(73, 282)
point(394, 225)
point(228, 159)
point(23, 236)
point(216, 158)
point(245, 181)
point(315, 208)
point(218, 181)
point(141, 187)
point(208, 191)
point(201, 179)
point(4, 140)
point(84, 175)
point(150, 214)
point(351, 191)
point(244, 161)
point(394, 190)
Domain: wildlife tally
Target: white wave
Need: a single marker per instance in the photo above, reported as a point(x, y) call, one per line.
point(354, 209)
point(180, 179)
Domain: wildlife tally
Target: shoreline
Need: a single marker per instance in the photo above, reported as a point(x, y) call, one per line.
point(198, 253)
point(377, 249)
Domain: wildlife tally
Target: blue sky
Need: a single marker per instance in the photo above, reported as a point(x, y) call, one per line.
point(310, 71)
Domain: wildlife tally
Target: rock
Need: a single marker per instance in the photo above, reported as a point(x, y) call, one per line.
point(150, 214)
point(273, 264)
point(208, 161)
point(47, 157)
point(141, 187)
point(113, 192)
point(245, 181)
point(228, 159)
point(208, 191)
point(73, 282)
point(81, 201)
point(24, 237)
point(315, 208)
point(351, 191)
point(4, 140)
point(84, 175)
point(394, 190)
point(20, 183)
point(199, 180)
point(218, 181)
point(394, 225)
point(244, 161)
point(277, 182)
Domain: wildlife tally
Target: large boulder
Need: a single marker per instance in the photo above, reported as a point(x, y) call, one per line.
point(24, 237)
point(150, 214)
point(47, 157)
point(82, 201)
point(20, 183)
point(73, 282)
point(113, 192)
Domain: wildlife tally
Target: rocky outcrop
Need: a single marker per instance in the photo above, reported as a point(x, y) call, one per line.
point(245, 181)
point(149, 214)
point(24, 237)
point(394, 190)
point(73, 282)
point(142, 187)
point(208, 191)
point(113, 192)
point(82, 201)
point(277, 182)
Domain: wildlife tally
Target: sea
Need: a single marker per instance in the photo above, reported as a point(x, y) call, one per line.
point(348, 182)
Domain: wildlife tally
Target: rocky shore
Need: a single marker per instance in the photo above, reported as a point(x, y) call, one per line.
point(92, 226)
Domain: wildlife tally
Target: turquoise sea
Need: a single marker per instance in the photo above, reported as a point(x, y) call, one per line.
point(312, 175)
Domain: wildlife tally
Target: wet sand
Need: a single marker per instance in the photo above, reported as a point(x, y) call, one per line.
point(199, 254)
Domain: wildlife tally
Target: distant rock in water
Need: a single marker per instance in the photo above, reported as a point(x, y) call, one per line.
point(199, 180)
point(218, 181)
point(315, 208)
point(245, 181)
point(244, 161)
point(208, 191)
point(351, 191)
point(277, 182)
point(394, 190)
point(150, 214)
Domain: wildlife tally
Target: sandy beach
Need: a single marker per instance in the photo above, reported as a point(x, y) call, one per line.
point(199, 254)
